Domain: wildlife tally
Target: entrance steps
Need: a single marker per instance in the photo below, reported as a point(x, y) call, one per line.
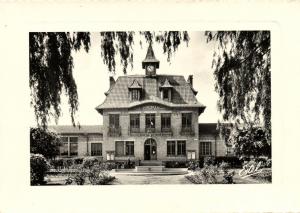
point(150, 166)
point(151, 163)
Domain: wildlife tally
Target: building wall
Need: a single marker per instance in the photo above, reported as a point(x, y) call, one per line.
point(84, 142)
point(161, 139)
point(218, 146)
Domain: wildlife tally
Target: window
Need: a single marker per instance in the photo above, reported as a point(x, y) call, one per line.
point(129, 148)
point(73, 149)
point(69, 146)
point(96, 149)
point(135, 95)
point(171, 147)
point(176, 148)
point(205, 148)
point(165, 121)
point(74, 139)
point(64, 146)
point(150, 121)
point(124, 148)
point(181, 148)
point(191, 155)
point(135, 122)
point(165, 94)
point(114, 120)
point(186, 120)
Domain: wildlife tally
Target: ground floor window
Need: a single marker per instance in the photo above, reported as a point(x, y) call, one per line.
point(124, 148)
point(205, 148)
point(96, 149)
point(171, 147)
point(176, 148)
point(69, 146)
point(191, 154)
point(181, 148)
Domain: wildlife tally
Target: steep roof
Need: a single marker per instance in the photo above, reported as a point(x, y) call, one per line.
point(84, 129)
point(135, 85)
point(208, 128)
point(166, 84)
point(182, 94)
point(150, 57)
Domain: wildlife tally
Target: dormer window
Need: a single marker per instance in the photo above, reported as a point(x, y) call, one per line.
point(135, 95)
point(135, 90)
point(166, 91)
point(165, 94)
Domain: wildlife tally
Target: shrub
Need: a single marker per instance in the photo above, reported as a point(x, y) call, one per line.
point(89, 162)
point(193, 165)
point(57, 163)
point(175, 164)
point(265, 175)
point(44, 142)
point(38, 169)
point(78, 160)
point(209, 161)
point(109, 165)
point(206, 175)
point(79, 177)
point(224, 166)
point(68, 162)
point(269, 163)
point(234, 162)
point(129, 164)
point(99, 176)
point(227, 175)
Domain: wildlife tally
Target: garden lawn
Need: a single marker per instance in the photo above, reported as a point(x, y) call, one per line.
point(122, 179)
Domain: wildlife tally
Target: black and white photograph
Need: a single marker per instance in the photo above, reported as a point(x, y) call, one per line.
point(150, 107)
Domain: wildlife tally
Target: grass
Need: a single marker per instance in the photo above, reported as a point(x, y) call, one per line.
point(122, 179)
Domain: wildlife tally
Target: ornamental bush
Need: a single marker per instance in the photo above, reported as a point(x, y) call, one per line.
point(89, 162)
point(78, 160)
point(206, 175)
point(57, 163)
point(38, 169)
point(234, 162)
point(227, 175)
point(193, 165)
point(264, 175)
point(209, 161)
point(68, 162)
point(99, 176)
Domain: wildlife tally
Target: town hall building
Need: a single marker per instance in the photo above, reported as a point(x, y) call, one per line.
point(150, 117)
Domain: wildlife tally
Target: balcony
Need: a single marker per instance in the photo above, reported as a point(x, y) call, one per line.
point(149, 131)
point(187, 131)
point(114, 131)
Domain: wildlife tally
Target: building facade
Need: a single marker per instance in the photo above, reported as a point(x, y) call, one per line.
point(148, 117)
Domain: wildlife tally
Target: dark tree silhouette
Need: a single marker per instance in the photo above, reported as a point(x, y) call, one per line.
point(242, 72)
point(44, 142)
point(51, 64)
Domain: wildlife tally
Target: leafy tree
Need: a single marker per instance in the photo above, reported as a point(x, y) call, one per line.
point(251, 142)
point(242, 72)
point(38, 169)
point(44, 142)
point(51, 63)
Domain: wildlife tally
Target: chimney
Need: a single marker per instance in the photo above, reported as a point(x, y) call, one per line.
point(190, 80)
point(111, 82)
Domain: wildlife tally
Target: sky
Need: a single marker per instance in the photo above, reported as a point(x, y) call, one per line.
point(92, 76)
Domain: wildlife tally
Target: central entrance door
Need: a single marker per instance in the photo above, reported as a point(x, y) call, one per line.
point(150, 149)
